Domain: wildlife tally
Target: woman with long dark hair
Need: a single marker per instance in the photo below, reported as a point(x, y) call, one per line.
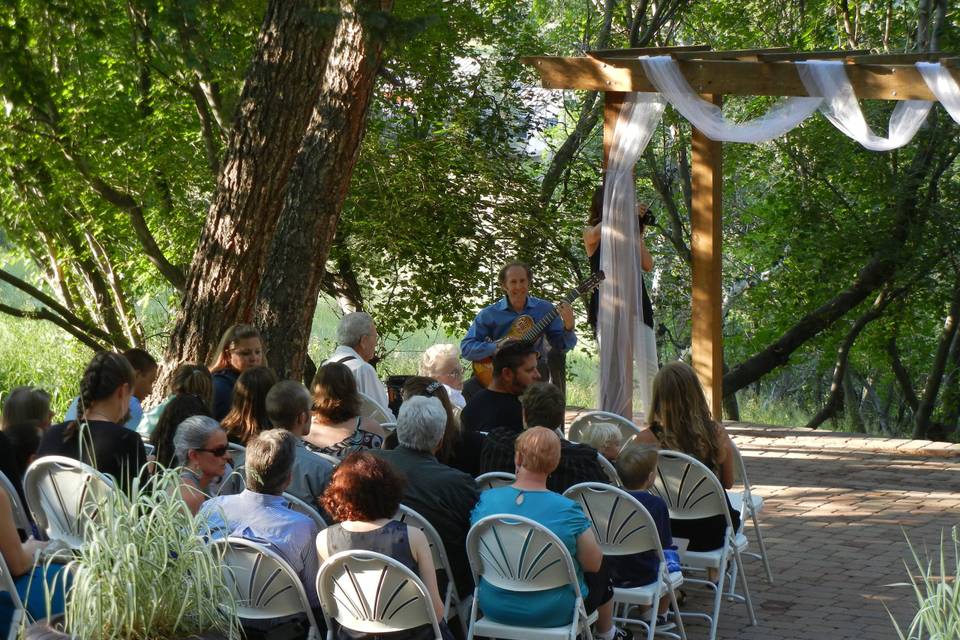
point(248, 410)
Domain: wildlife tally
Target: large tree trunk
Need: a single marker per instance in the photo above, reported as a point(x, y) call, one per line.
point(278, 96)
point(318, 185)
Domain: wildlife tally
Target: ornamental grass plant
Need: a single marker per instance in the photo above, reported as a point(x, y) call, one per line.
point(937, 592)
point(146, 573)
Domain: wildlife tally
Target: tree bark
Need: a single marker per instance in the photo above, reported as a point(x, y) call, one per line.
point(278, 95)
point(851, 403)
point(318, 185)
point(925, 408)
point(902, 375)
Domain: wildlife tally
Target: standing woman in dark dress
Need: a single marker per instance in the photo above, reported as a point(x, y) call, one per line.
point(98, 437)
point(240, 348)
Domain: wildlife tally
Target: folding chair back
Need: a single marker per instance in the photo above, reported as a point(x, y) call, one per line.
point(495, 479)
point(239, 448)
point(689, 488)
point(749, 506)
point(609, 470)
point(627, 428)
point(20, 518)
point(371, 593)
point(264, 584)
point(298, 505)
point(620, 522)
point(19, 611)
point(63, 494)
point(370, 409)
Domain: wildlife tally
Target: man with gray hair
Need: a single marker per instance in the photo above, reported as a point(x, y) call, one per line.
point(261, 514)
point(357, 339)
point(443, 495)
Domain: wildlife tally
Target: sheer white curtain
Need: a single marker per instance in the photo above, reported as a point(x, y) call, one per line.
point(943, 86)
point(664, 73)
point(828, 78)
point(623, 352)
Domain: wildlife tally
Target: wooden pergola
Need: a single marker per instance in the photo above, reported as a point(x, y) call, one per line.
point(715, 74)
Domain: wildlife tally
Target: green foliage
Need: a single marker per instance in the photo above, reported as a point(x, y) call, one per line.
point(937, 592)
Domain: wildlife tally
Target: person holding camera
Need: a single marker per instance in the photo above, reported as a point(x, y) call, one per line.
point(591, 240)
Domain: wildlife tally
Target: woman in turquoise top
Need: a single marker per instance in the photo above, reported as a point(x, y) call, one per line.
point(537, 455)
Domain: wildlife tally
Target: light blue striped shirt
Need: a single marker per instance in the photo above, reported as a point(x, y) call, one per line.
point(268, 520)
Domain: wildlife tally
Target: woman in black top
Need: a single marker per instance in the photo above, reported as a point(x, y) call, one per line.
point(98, 437)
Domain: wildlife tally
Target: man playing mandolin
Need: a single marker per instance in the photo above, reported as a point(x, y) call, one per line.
point(496, 322)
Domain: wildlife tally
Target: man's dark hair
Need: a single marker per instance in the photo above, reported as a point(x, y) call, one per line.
point(286, 400)
point(502, 276)
point(543, 406)
point(140, 360)
point(511, 355)
point(269, 460)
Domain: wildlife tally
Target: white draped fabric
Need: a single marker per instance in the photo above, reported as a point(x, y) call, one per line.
point(943, 86)
point(828, 78)
point(664, 73)
point(623, 351)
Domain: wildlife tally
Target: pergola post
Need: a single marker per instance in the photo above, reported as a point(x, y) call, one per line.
point(706, 213)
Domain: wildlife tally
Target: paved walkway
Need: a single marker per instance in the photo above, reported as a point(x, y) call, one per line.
point(837, 507)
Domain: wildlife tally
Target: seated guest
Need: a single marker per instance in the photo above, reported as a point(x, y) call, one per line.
point(201, 447)
point(441, 494)
point(175, 411)
point(357, 339)
point(260, 513)
point(27, 404)
point(248, 409)
point(99, 437)
point(459, 449)
point(442, 363)
point(190, 379)
point(28, 577)
point(680, 421)
point(288, 406)
point(144, 375)
point(363, 496)
point(336, 427)
point(605, 437)
point(543, 406)
point(514, 369)
point(537, 456)
point(19, 443)
point(240, 349)
point(637, 468)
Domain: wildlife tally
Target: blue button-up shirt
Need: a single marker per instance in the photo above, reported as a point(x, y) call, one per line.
point(268, 520)
point(492, 323)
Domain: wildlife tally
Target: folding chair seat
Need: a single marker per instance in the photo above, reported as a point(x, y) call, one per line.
point(627, 428)
point(624, 527)
point(692, 491)
point(494, 479)
point(749, 505)
point(517, 554)
point(298, 505)
point(265, 586)
point(450, 597)
point(369, 592)
point(370, 409)
point(63, 494)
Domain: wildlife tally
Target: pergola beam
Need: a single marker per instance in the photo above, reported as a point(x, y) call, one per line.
point(728, 77)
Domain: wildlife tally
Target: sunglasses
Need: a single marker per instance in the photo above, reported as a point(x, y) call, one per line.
point(219, 451)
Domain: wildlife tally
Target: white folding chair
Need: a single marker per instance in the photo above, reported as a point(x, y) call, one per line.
point(63, 494)
point(692, 491)
point(264, 585)
point(627, 428)
point(298, 505)
point(609, 470)
point(239, 448)
point(624, 527)
point(749, 504)
point(20, 518)
point(451, 599)
point(372, 593)
point(20, 614)
point(517, 554)
point(370, 409)
point(389, 427)
point(495, 479)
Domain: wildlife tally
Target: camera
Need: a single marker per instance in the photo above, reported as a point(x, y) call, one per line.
point(647, 218)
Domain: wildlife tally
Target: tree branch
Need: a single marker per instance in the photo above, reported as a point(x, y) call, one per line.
point(46, 314)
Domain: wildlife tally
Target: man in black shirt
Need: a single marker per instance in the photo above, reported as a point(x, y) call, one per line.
point(514, 369)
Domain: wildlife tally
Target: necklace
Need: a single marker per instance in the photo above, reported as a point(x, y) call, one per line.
point(94, 415)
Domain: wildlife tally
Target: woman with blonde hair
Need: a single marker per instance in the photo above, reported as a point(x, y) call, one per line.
point(442, 363)
point(240, 348)
point(680, 420)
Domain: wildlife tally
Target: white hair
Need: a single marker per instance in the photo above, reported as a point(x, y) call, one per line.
point(435, 356)
point(421, 423)
point(354, 326)
point(193, 433)
point(600, 435)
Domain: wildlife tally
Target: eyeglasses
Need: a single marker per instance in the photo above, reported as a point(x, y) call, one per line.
point(219, 451)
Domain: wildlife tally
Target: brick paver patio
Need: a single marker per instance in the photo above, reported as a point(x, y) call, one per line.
point(837, 506)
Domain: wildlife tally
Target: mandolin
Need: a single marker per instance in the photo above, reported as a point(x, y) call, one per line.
point(526, 330)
